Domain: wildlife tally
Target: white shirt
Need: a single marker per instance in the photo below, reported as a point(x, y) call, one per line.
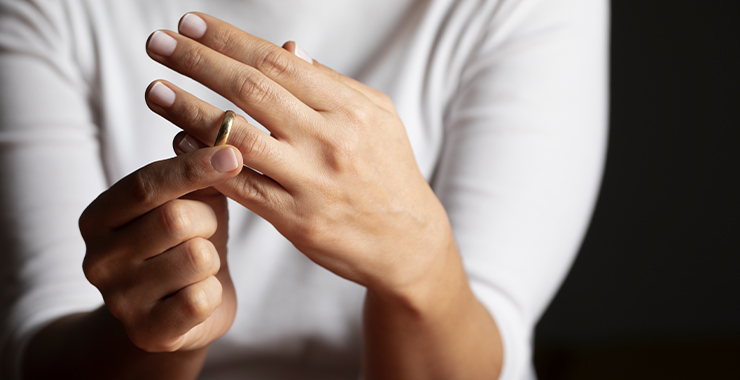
point(504, 103)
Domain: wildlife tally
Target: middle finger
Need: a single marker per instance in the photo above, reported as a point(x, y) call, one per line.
point(313, 87)
point(266, 101)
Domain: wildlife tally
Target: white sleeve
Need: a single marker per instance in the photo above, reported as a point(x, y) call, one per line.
point(525, 139)
point(50, 170)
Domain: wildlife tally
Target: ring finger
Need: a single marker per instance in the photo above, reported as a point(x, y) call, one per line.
point(197, 118)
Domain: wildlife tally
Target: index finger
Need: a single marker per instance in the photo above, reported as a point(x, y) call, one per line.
point(310, 86)
point(159, 182)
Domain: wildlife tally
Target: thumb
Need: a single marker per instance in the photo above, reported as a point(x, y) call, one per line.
point(162, 181)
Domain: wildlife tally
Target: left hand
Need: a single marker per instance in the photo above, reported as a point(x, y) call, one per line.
point(340, 179)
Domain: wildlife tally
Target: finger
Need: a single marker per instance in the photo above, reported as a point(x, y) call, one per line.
point(176, 315)
point(189, 262)
point(287, 70)
point(266, 101)
point(378, 97)
point(219, 205)
point(157, 183)
point(202, 120)
point(253, 190)
point(257, 192)
point(165, 227)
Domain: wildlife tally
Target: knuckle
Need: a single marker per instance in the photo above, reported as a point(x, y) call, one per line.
point(176, 220)
point(119, 307)
point(192, 58)
point(192, 173)
point(252, 189)
point(253, 87)
point(94, 269)
point(359, 113)
point(143, 188)
point(340, 155)
point(253, 145)
point(200, 257)
point(275, 63)
point(192, 114)
point(223, 38)
point(196, 305)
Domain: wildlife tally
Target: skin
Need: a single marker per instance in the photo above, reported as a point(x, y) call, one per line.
point(156, 250)
point(340, 182)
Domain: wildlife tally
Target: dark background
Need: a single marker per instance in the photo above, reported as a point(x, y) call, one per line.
point(655, 290)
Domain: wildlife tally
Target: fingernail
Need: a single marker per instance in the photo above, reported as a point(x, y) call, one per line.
point(162, 44)
point(224, 161)
point(161, 95)
point(188, 144)
point(302, 54)
point(192, 26)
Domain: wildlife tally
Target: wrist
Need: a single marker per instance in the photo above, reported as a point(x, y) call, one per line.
point(434, 291)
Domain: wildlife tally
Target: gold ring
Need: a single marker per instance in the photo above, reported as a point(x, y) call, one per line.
point(223, 132)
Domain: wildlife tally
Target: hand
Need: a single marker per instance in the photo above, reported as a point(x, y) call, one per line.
point(340, 179)
point(156, 250)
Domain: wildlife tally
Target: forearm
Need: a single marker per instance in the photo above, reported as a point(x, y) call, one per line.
point(94, 345)
point(438, 331)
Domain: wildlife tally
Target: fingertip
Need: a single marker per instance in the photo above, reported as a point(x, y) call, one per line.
point(184, 143)
point(160, 94)
point(160, 44)
point(238, 154)
point(192, 25)
point(294, 48)
point(290, 46)
point(303, 54)
point(227, 160)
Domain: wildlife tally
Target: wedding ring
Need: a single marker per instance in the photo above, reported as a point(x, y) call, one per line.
point(223, 132)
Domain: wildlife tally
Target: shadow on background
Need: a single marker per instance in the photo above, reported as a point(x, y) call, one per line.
point(655, 290)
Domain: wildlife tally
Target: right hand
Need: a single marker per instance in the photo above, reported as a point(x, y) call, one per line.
point(156, 250)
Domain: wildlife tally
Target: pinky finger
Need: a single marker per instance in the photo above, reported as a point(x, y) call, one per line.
point(378, 97)
point(177, 315)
